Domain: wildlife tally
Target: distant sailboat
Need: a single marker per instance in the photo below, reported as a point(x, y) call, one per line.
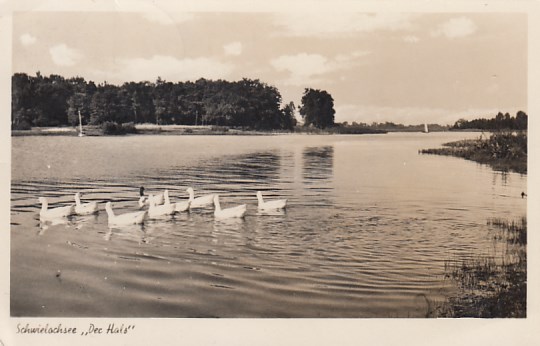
point(426, 130)
point(81, 134)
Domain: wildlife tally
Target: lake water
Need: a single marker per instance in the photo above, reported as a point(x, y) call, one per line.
point(368, 228)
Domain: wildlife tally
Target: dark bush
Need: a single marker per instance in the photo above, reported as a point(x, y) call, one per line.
point(113, 128)
point(21, 125)
point(129, 127)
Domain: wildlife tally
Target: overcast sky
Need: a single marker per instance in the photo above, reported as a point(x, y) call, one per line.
point(405, 68)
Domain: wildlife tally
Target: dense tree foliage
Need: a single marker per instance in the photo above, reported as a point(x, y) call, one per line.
point(499, 122)
point(317, 108)
point(56, 101)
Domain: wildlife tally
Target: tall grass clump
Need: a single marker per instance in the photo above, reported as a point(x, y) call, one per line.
point(491, 286)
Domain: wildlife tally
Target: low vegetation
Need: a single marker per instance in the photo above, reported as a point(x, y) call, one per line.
point(338, 129)
point(491, 286)
point(113, 128)
point(503, 151)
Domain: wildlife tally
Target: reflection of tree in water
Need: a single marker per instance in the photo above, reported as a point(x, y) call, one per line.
point(318, 163)
point(260, 166)
point(226, 173)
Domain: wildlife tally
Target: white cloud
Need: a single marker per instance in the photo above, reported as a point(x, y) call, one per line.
point(322, 23)
point(62, 55)
point(233, 48)
point(302, 67)
point(27, 39)
point(307, 68)
point(411, 39)
point(455, 28)
point(171, 68)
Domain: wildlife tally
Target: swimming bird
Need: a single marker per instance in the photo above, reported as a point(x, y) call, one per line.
point(156, 211)
point(54, 213)
point(178, 206)
point(143, 200)
point(238, 211)
point(84, 208)
point(199, 202)
point(126, 219)
point(275, 204)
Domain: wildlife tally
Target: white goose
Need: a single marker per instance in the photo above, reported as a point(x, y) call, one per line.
point(156, 211)
point(178, 206)
point(126, 219)
point(199, 202)
point(54, 213)
point(269, 205)
point(227, 213)
point(143, 200)
point(84, 208)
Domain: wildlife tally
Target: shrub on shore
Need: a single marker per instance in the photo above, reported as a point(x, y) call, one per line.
point(113, 128)
point(21, 126)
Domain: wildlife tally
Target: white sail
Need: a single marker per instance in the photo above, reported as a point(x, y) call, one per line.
point(426, 130)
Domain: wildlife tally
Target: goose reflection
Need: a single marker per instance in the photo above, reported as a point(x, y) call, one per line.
point(80, 220)
point(228, 230)
point(44, 225)
point(133, 232)
point(271, 212)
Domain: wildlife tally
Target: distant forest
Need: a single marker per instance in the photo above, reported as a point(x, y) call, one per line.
point(57, 101)
point(252, 104)
point(499, 122)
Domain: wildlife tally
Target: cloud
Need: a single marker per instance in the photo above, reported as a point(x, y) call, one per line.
point(455, 28)
point(166, 18)
point(161, 12)
point(171, 68)
point(411, 39)
point(302, 67)
point(27, 39)
point(233, 48)
point(339, 23)
point(307, 68)
point(62, 55)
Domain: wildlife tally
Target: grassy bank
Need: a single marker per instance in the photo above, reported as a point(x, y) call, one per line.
point(503, 151)
point(105, 129)
point(338, 130)
point(152, 129)
point(491, 286)
point(112, 129)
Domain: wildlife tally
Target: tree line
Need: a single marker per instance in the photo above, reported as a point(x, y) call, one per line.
point(57, 101)
point(499, 122)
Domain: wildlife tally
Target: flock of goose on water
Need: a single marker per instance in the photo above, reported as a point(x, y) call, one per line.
point(158, 206)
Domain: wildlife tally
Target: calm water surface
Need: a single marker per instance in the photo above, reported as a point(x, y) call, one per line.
point(368, 227)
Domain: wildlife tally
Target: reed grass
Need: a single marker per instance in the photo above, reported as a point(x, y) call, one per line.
point(503, 151)
point(490, 286)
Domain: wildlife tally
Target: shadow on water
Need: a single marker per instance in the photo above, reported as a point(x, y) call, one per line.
point(231, 174)
point(318, 163)
point(317, 175)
